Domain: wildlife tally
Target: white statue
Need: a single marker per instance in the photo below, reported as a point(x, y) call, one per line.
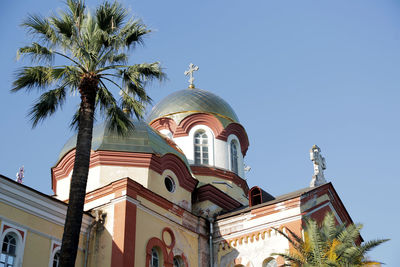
point(20, 175)
point(319, 166)
point(192, 68)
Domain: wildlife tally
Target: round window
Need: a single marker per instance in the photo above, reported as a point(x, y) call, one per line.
point(169, 184)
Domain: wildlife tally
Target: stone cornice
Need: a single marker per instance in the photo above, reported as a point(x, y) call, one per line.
point(334, 199)
point(223, 174)
point(128, 159)
point(36, 203)
point(213, 194)
point(132, 189)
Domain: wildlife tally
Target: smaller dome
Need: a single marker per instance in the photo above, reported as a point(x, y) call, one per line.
point(185, 102)
point(142, 139)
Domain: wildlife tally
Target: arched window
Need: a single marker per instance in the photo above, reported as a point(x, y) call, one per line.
point(201, 147)
point(56, 259)
point(234, 157)
point(8, 251)
point(155, 259)
point(178, 262)
point(270, 262)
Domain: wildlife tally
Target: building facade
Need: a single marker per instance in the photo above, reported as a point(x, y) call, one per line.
point(170, 193)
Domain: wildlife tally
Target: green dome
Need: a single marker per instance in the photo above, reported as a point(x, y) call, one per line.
point(142, 139)
point(183, 103)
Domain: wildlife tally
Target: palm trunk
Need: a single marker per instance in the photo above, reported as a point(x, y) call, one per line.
point(72, 227)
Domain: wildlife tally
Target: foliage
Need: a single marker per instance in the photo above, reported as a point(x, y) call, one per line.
point(328, 244)
point(93, 46)
point(91, 50)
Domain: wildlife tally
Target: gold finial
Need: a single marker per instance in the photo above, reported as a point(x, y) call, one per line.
point(192, 68)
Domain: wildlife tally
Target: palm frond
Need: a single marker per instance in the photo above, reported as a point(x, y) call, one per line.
point(132, 34)
point(135, 77)
point(132, 106)
point(329, 228)
point(47, 105)
point(291, 257)
point(76, 9)
point(372, 244)
point(36, 52)
point(146, 72)
point(316, 241)
point(110, 17)
point(74, 124)
point(32, 77)
point(349, 234)
point(104, 98)
point(64, 25)
point(40, 27)
point(119, 120)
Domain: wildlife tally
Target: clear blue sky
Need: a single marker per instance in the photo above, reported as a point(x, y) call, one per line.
point(297, 73)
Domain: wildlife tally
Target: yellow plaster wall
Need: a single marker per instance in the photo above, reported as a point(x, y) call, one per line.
point(35, 222)
point(37, 246)
point(149, 226)
point(158, 209)
point(180, 196)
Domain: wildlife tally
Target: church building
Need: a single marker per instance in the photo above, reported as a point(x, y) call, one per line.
point(171, 193)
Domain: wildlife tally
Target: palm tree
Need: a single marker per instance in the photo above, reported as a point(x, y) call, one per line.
point(92, 54)
point(328, 244)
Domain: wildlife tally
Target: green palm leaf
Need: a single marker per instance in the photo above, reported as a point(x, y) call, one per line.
point(328, 244)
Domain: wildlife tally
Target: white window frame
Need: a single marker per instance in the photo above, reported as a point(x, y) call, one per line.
point(11, 228)
point(204, 154)
point(55, 247)
point(211, 145)
point(233, 138)
point(158, 257)
point(234, 158)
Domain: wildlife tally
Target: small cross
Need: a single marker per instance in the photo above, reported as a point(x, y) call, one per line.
point(192, 68)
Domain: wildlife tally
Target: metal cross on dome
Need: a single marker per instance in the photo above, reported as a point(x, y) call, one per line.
point(192, 68)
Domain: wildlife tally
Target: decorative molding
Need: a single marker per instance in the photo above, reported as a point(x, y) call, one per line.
point(229, 244)
point(134, 189)
point(239, 132)
point(128, 159)
point(189, 122)
point(171, 234)
point(209, 120)
point(33, 202)
point(155, 242)
point(213, 194)
point(223, 174)
point(164, 123)
point(224, 234)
